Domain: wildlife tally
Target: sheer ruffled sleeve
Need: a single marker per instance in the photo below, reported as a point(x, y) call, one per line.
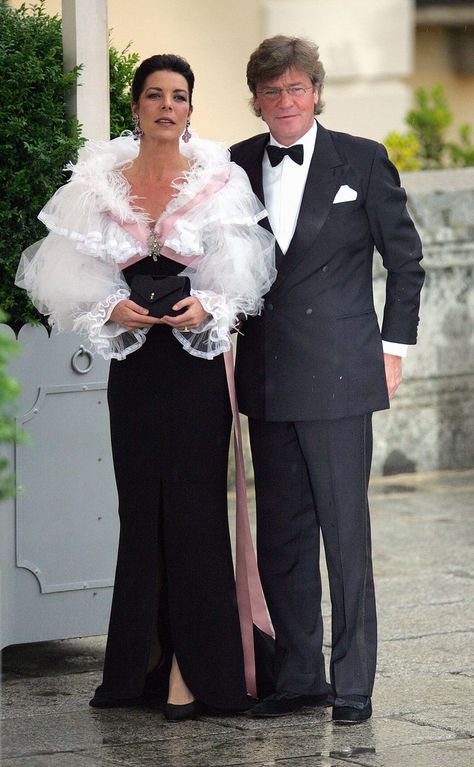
point(73, 277)
point(236, 268)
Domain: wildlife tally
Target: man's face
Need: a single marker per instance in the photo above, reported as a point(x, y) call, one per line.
point(287, 115)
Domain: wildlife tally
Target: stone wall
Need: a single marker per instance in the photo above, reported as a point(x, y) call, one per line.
point(431, 423)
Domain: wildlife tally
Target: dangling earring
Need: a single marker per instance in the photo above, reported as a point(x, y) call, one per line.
point(186, 134)
point(137, 131)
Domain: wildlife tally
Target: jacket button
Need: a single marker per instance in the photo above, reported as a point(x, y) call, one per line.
point(325, 268)
point(309, 311)
point(269, 307)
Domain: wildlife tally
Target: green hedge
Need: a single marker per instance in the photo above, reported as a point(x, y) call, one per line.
point(121, 68)
point(36, 137)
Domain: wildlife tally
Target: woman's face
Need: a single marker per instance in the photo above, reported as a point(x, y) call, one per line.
point(163, 106)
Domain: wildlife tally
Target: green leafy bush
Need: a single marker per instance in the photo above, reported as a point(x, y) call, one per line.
point(429, 121)
point(122, 67)
point(9, 390)
point(462, 154)
point(404, 150)
point(425, 146)
point(37, 138)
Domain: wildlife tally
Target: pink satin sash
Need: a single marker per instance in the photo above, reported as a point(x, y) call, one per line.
point(250, 599)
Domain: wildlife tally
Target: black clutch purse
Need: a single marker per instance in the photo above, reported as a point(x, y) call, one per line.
point(159, 294)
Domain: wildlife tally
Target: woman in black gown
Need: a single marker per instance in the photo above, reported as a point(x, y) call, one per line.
point(162, 207)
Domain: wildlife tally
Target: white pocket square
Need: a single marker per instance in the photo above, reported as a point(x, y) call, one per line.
point(345, 194)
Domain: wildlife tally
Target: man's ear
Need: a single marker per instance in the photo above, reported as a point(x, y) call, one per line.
point(316, 95)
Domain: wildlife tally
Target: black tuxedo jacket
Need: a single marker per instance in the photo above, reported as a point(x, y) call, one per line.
point(316, 352)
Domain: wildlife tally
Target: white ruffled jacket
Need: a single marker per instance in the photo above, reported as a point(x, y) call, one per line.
point(210, 226)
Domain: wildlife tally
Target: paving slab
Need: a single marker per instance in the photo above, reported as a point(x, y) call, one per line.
point(65, 656)
point(328, 760)
point(67, 759)
point(408, 695)
point(431, 619)
point(314, 718)
point(453, 753)
point(406, 591)
point(263, 745)
point(419, 541)
point(437, 654)
point(147, 757)
point(456, 718)
point(48, 695)
point(423, 693)
point(78, 731)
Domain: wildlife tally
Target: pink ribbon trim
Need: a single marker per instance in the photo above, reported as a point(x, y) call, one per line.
point(250, 598)
point(141, 232)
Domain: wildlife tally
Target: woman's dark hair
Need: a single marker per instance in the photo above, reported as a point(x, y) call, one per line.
point(163, 61)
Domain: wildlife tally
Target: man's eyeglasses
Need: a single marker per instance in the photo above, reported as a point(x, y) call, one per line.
point(295, 91)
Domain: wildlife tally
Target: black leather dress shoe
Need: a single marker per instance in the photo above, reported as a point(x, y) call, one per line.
point(348, 711)
point(282, 704)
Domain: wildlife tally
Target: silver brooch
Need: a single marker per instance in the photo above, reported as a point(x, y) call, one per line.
point(154, 246)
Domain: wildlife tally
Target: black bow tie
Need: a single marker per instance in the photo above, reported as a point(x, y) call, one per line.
point(277, 153)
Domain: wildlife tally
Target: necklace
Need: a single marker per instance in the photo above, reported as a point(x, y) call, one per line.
point(154, 245)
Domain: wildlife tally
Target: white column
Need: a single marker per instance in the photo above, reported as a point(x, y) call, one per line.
point(85, 41)
point(367, 50)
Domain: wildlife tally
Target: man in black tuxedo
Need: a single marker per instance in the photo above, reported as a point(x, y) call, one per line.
point(313, 367)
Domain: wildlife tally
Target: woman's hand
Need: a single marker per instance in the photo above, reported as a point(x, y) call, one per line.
point(131, 316)
point(191, 319)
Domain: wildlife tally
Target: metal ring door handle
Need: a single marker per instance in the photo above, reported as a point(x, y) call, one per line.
point(75, 357)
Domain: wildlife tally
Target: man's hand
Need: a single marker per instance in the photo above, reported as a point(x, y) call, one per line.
point(393, 373)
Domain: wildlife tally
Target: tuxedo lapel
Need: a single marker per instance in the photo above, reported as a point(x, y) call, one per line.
point(322, 183)
point(324, 179)
point(251, 161)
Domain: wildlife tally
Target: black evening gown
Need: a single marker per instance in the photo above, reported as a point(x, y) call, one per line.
point(170, 421)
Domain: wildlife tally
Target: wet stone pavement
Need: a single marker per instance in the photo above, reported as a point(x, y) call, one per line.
point(423, 699)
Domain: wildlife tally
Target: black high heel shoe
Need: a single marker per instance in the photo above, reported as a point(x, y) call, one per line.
point(180, 713)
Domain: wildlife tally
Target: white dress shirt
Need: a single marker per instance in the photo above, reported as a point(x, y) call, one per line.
point(283, 187)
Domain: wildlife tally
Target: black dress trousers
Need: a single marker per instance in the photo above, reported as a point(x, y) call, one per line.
point(312, 477)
